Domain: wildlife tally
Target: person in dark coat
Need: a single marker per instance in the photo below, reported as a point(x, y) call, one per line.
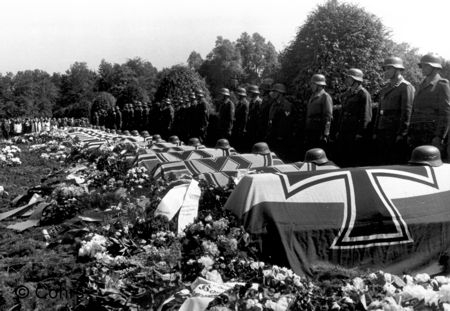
point(255, 127)
point(226, 114)
point(430, 118)
point(202, 116)
point(354, 124)
point(239, 132)
point(393, 116)
point(319, 113)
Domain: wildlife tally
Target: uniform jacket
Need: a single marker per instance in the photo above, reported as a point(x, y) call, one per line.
point(394, 111)
point(319, 112)
point(432, 105)
point(356, 112)
point(226, 116)
point(241, 116)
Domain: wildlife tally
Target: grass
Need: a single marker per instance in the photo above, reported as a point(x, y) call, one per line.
point(25, 260)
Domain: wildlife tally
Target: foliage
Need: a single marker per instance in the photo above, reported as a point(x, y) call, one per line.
point(134, 80)
point(334, 38)
point(29, 93)
point(103, 101)
point(259, 58)
point(77, 87)
point(222, 64)
point(194, 60)
point(179, 81)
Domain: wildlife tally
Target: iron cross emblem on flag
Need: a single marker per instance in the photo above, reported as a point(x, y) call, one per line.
point(370, 216)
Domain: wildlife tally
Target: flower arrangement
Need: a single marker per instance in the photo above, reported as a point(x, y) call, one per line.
point(9, 156)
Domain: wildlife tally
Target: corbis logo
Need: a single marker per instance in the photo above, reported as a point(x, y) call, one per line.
point(47, 291)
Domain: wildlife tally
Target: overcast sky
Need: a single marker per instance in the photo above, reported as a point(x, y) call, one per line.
point(53, 34)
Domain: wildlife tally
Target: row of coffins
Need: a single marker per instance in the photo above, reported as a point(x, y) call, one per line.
point(395, 218)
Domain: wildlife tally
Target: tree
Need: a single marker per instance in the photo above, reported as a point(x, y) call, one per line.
point(103, 101)
point(134, 80)
point(334, 38)
point(180, 81)
point(222, 64)
point(77, 86)
point(258, 57)
point(194, 60)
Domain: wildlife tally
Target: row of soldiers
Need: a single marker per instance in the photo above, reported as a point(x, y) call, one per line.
point(186, 116)
point(405, 118)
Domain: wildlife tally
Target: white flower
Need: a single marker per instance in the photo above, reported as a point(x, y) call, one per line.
point(206, 261)
point(256, 265)
point(389, 289)
point(358, 283)
point(388, 278)
point(442, 279)
point(444, 293)
point(422, 278)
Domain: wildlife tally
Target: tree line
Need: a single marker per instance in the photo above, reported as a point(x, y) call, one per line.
point(336, 36)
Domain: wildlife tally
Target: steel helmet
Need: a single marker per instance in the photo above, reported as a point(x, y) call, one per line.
point(241, 91)
point(174, 139)
point(223, 143)
point(426, 155)
point(261, 148)
point(316, 155)
point(156, 137)
point(225, 91)
point(126, 132)
point(119, 132)
point(356, 74)
point(145, 134)
point(278, 87)
point(393, 61)
point(194, 141)
point(431, 59)
point(253, 89)
point(134, 133)
point(318, 79)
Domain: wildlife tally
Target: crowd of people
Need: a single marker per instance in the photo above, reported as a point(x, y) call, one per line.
point(10, 127)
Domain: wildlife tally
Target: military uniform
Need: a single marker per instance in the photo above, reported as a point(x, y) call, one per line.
point(281, 125)
point(392, 122)
point(319, 112)
point(255, 127)
point(356, 116)
point(240, 123)
point(226, 118)
point(431, 112)
point(201, 119)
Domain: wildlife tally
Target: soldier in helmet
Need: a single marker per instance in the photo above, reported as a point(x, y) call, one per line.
point(319, 112)
point(226, 114)
point(355, 119)
point(202, 116)
point(131, 119)
point(167, 115)
point(266, 87)
point(255, 131)
point(240, 119)
point(281, 121)
point(394, 113)
point(430, 119)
